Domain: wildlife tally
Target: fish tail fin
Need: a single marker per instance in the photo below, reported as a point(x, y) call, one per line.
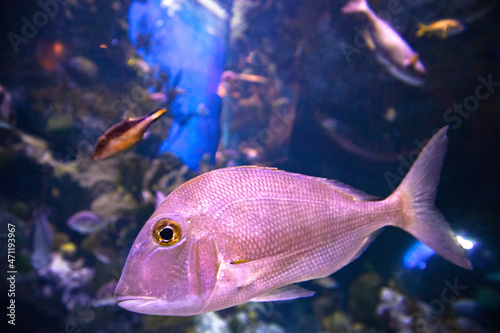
point(422, 29)
point(417, 192)
point(355, 6)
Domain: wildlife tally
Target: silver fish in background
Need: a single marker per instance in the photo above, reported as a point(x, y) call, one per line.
point(242, 234)
point(390, 48)
point(85, 222)
point(42, 240)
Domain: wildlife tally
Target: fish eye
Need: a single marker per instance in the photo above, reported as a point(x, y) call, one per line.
point(167, 232)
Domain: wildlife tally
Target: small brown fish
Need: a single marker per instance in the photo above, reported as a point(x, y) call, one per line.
point(441, 28)
point(242, 234)
point(123, 135)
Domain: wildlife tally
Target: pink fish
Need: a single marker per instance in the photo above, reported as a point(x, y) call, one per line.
point(243, 234)
point(391, 50)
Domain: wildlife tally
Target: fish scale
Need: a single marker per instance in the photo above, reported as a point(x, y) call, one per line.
point(251, 233)
point(303, 216)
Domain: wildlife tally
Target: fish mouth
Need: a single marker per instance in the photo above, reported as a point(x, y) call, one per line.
point(152, 305)
point(135, 303)
point(121, 298)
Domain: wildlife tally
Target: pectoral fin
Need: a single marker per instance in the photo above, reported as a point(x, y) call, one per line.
point(291, 291)
point(247, 271)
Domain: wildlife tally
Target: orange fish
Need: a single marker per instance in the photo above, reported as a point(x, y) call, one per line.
point(123, 135)
point(442, 28)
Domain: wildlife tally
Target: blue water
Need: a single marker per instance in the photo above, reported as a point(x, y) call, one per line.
point(190, 41)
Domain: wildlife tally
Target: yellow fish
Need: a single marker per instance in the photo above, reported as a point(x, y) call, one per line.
point(123, 135)
point(441, 28)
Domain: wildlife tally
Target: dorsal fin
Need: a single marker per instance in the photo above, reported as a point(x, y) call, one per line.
point(255, 167)
point(358, 194)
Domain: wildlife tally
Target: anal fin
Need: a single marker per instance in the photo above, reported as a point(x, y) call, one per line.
point(368, 240)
